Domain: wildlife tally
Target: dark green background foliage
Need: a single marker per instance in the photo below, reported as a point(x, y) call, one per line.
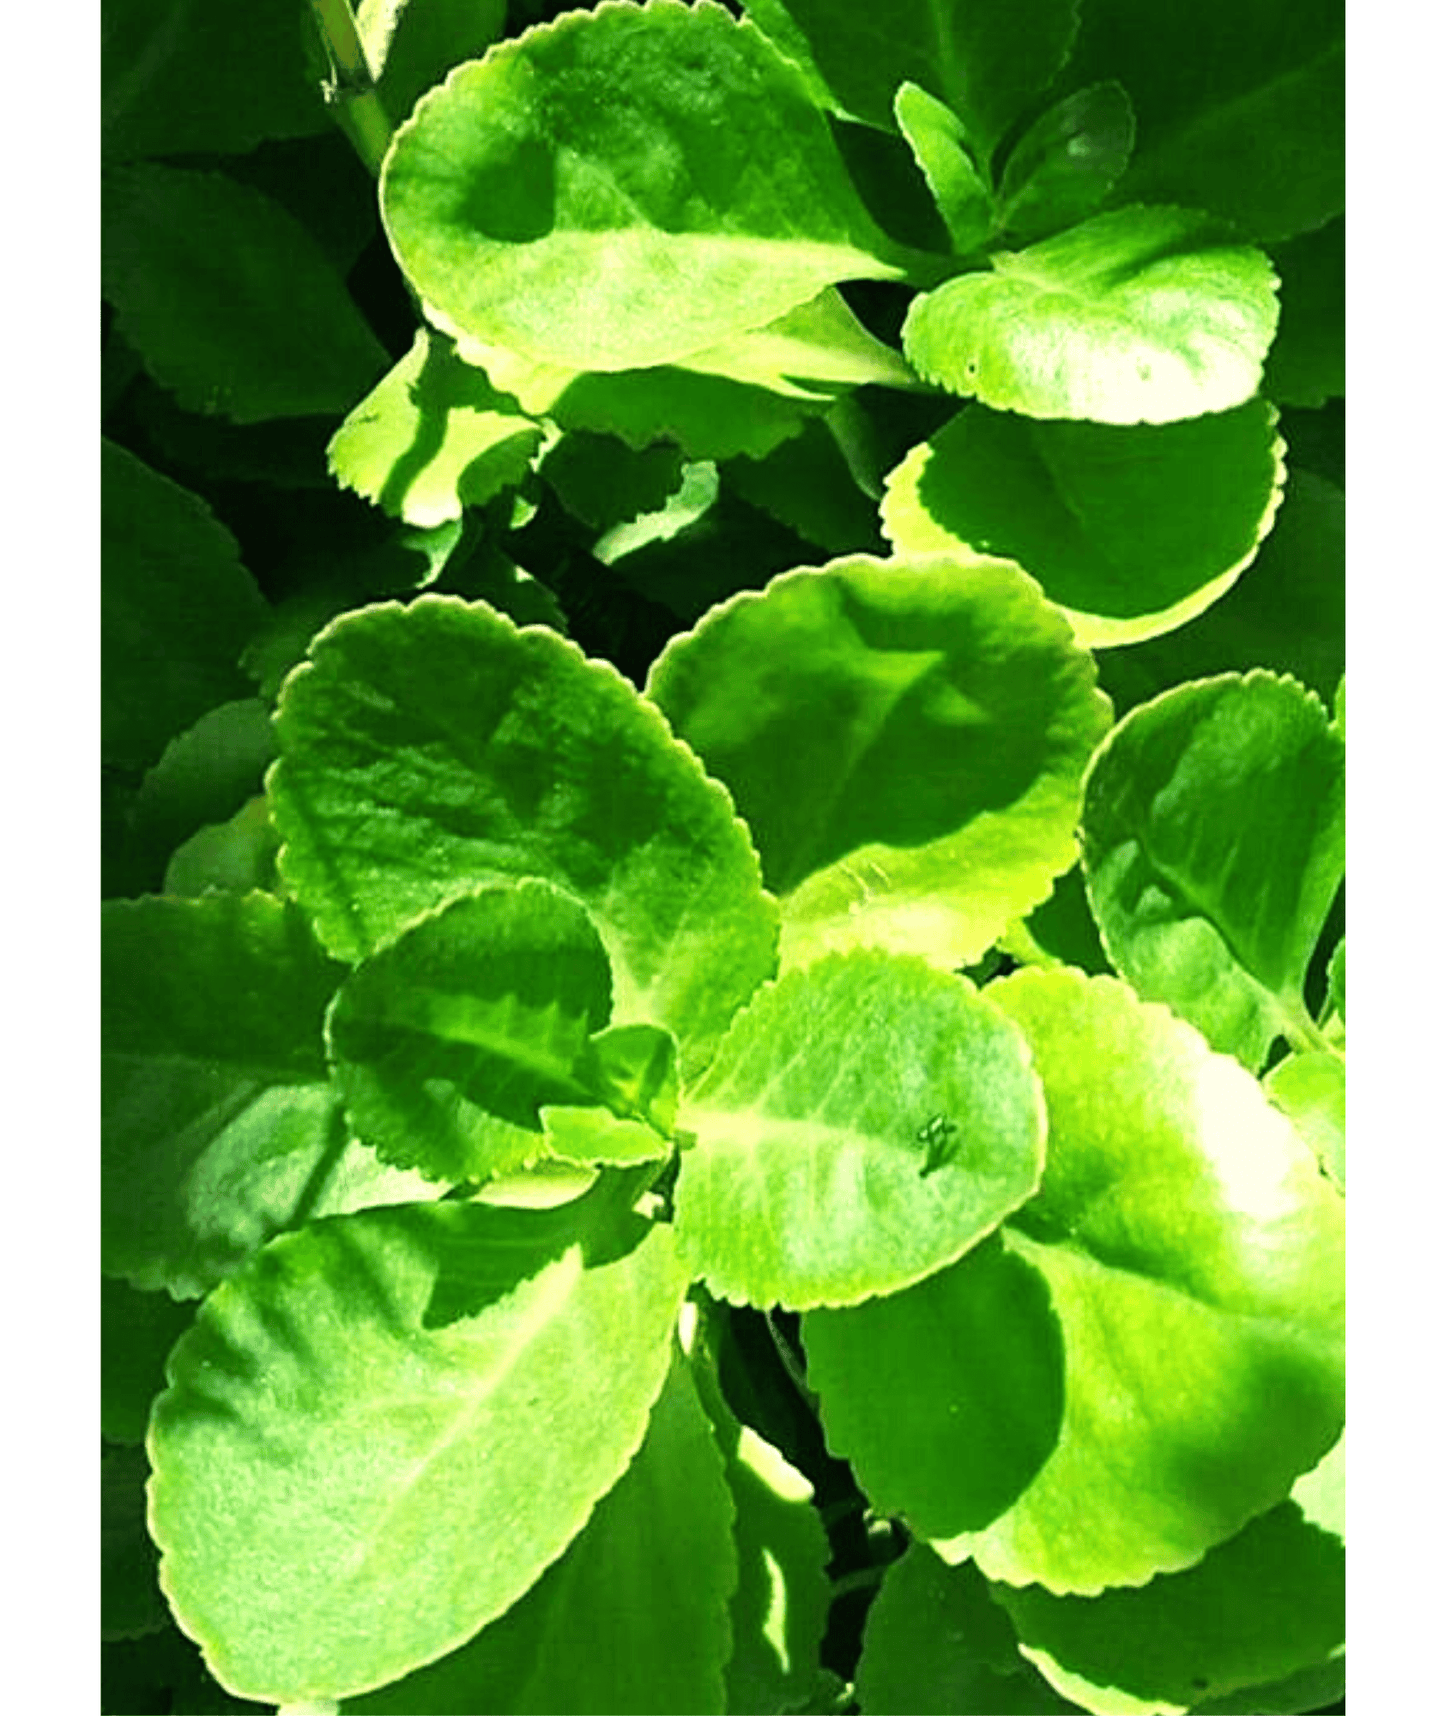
point(723, 747)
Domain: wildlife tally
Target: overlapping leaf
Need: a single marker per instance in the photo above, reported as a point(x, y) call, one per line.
point(382, 1431)
point(742, 397)
point(1131, 530)
point(1142, 315)
point(177, 607)
point(866, 1121)
point(640, 1597)
point(1067, 161)
point(446, 1042)
point(935, 1644)
point(228, 298)
point(177, 78)
point(1267, 1605)
point(131, 1605)
point(1213, 848)
point(1192, 1254)
point(1240, 106)
point(218, 1128)
point(622, 188)
point(1310, 1089)
point(428, 749)
point(432, 438)
point(905, 740)
point(987, 62)
point(137, 1330)
point(412, 44)
point(935, 134)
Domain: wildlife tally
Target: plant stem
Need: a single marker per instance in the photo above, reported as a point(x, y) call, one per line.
point(352, 93)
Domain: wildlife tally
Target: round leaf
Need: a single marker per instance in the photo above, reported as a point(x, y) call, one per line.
point(906, 741)
point(1214, 843)
point(1132, 531)
point(425, 750)
point(867, 1120)
point(445, 1042)
point(1194, 1257)
point(620, 188)
point(1144, 315)
point(946, 1398)
point(383, 1429)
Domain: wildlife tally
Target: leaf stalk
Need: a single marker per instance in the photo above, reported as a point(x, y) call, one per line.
point(352, 93)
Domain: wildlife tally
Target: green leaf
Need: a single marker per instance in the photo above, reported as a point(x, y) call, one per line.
point(177, 78)
point(1067, 161)
point(412, 44)
point(217, 1127)
point(987, 62)
point(177, 607)
point(597, 1135)
point(1306, 363)
point(1213, 848)
point(432, 438)
point(385, 1427)
point(228, 299)
point(131, 1605)
point(1240, 108)
point(605, 483)
point(237, 856)
point(445, 1042)
point(935, 1644)
point(742, 397)
point(205, 775)
point(1194, 1257)
point(1310, 1089)
point(807, 485)
point(1131, 530)
point(1143, 315)
point(866, 1121)
point(905, 740)
point(1286, 611)
point(640, 1597)
point(428, 749)
point(780, 1605)
point(1337, 958)
point(621, 188)
point(1264, 1606)
point(946, 1398)
point(936, 136)
point(137, 1330)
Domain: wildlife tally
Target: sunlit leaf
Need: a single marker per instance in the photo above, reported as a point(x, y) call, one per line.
point(640, 1597)
point(385, 1427)
point(866, 1121)
point(1131, 530)
point(1143, 315)
point(702, 197)
point(1193, 1255)
point(1213, 848)
point(427, 749)
point(905, 740)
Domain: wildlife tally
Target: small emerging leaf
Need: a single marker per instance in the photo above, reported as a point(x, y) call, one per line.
point(445, 1042)
point(936, 136)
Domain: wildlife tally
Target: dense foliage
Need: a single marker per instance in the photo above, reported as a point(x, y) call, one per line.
point(723, 744)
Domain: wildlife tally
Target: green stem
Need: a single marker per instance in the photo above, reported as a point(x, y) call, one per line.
point(353, 94)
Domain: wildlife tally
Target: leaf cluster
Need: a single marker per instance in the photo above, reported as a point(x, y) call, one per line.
point(723, 744)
